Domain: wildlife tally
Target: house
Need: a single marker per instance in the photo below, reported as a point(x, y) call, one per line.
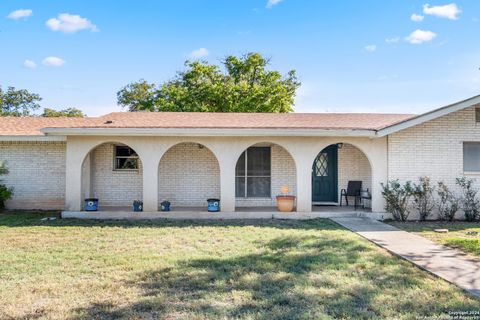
point(242, 159)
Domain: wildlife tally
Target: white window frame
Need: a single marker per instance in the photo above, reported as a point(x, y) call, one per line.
point(468, 172)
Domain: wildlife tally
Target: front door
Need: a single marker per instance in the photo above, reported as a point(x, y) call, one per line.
point(324, 176)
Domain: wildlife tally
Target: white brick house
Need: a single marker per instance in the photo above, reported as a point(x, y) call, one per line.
point(242, 159)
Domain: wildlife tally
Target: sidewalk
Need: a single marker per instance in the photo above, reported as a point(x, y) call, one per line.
point(449, 264)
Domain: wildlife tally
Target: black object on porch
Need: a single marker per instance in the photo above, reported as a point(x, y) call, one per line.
point(354, 189)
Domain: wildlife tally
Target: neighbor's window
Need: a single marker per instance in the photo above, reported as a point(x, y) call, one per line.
point(471, 156)
point(477, 115)
point(125, 158)
point(252, 173)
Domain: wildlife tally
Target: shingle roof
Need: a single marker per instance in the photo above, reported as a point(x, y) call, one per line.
point(326, 121)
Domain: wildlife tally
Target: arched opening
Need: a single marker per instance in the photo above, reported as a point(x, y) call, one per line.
point(112, 172)
point(335, 168)
point(189, 174)
point(261, 172)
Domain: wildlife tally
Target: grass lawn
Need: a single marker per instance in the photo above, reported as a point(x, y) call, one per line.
point(197, 270)
point(464, 236)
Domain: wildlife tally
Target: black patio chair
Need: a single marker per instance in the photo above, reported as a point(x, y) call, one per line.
point(354, 189)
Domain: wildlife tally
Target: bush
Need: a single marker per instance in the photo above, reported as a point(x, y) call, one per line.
point(396, 197)
point(449, 203)
point(5, 193)
point(422, 194)
point(469, 201)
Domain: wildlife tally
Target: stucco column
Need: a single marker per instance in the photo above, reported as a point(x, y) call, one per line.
point(304, 184)
point(150, 183)
point(379, 175)
point(227, 185)
point(73, 178)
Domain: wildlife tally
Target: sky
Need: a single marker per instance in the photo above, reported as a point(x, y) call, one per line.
point(392, 56)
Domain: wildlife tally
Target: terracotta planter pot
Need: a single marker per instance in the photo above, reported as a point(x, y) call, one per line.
point(285, 203)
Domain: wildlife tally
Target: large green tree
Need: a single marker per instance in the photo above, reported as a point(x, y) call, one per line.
point(244, 85)
point(18, 103)
point(68, 112)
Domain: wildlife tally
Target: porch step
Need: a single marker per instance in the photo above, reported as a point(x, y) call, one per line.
point(198, 215)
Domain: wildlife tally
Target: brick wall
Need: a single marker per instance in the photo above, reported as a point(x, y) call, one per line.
point(433, 149)
point(189, 174)
point(353, 165)
point(37, 172)
point(283, 172)
point(113, 187)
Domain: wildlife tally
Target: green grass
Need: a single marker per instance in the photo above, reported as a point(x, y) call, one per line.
point(197, 270)
point(464, 236)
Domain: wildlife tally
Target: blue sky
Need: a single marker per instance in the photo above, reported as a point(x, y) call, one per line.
point(351, 56)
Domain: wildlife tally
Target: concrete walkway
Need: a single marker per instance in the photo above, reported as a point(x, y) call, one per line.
point(449, 264)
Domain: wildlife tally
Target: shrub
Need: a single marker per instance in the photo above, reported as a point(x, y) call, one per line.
point(5, 193)
point(469, 201)
point(422, 194)
point(396, 197)
point(449, 203)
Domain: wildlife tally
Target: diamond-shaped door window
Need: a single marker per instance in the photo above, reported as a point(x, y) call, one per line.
point(321, 165)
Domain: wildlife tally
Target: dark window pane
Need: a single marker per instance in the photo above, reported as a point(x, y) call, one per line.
point(477, 114)
point(240, 168)
point(258, 187)
point(124, 151)
point(471, 156)
point(126, 163)
point(258, 161)
point(321, 165)
point(240, 187)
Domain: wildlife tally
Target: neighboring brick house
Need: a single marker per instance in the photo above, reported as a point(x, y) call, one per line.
point(242, 159)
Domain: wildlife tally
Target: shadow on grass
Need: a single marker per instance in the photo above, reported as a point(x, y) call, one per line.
point(300, 277)
point(19, 219)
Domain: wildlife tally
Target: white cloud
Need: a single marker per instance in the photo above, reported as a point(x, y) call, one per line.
point(29, 64)
point(199, 53)
point(271, 3)
point(53, 62)
point(21, 13)
point(449, 11)
point(70, 23)
point(420, 36)
point(371, 48)
point(392, 40)
point(417, 17)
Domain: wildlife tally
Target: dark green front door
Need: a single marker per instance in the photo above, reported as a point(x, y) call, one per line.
point(324, 176)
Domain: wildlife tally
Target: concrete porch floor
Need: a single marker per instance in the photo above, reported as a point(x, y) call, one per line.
point(193, 213)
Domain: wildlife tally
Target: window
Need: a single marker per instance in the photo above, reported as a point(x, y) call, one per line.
point(471, 156)
point(252, 173)
point(125, 158)
point(477, 115)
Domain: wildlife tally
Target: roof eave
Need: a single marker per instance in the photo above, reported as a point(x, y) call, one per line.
point(32, 138)
point(434, 114)
point(205, 132)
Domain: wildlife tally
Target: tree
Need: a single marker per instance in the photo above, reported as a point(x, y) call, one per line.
point(18, 103)
point(68, 112)
point(245, 85)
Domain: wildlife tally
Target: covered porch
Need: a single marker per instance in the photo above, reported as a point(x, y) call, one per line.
point(245, 173)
